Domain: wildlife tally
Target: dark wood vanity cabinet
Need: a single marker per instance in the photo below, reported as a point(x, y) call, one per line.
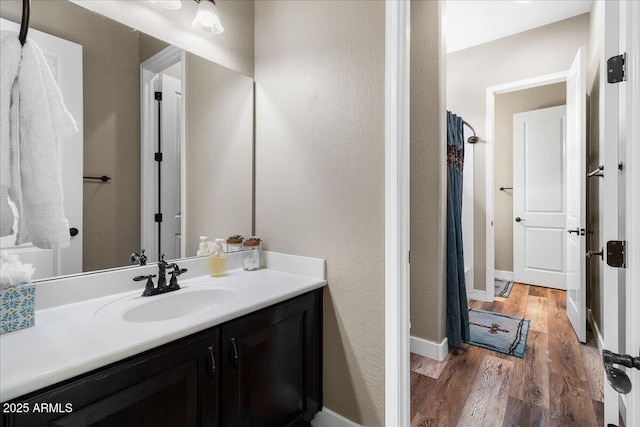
point(271, 366)
point(263, 369)
point(175, 385)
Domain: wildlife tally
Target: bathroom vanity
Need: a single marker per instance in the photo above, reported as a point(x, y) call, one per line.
point(254, 359)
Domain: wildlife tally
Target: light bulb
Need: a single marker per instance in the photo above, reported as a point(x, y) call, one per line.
point(207, 18)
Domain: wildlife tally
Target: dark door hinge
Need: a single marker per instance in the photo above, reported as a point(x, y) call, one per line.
point(158, 96)
point(616, 68)
point(158, 217)
point(158, 157)
point(616, 256)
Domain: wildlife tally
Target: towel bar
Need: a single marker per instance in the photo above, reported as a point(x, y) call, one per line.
point(102, 178)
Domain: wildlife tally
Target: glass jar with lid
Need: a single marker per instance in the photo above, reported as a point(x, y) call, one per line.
point(234, 243)
point(252, 249)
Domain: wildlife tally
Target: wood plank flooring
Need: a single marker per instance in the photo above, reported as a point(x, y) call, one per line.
point(557, 383)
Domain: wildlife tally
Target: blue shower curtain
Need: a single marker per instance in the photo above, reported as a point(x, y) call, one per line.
point(457, 310)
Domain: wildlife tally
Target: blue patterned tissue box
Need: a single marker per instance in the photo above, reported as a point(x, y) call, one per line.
point(18, 307)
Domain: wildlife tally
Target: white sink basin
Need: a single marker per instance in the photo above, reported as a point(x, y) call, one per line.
point(172, 305)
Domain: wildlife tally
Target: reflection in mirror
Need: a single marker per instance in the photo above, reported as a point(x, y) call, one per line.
point(203, 126)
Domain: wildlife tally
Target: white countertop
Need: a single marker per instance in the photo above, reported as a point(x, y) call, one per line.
point(72, 339)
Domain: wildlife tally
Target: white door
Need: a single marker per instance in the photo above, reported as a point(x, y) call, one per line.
point(576, 161)
point(539, 197)
point(65, 61)
point(171, 140)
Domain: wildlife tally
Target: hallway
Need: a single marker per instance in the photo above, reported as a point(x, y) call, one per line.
point(558, 383)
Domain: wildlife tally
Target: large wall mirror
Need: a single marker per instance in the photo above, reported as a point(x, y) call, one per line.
point(112, 77)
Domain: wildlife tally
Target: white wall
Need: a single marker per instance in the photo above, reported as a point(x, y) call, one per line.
point(467, 211)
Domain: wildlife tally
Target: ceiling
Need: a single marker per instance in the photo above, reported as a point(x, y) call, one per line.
point(470, 23)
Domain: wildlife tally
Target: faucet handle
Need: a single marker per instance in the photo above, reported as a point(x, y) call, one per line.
point(141, 278)
point(173, 282)
point(149, 287)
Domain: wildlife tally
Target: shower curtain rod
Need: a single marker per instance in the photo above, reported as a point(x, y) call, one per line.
point(472, 139)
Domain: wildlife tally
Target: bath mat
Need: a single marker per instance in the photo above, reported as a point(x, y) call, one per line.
point(502, 288)
point(498, 332)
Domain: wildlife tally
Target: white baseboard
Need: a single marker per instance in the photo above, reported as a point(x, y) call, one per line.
point(430, 349)
point(596, 330)
point(477, 295)
point(328, 418)
point(501, 274)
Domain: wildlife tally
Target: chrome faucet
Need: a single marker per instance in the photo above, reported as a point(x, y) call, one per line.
point(162, 287)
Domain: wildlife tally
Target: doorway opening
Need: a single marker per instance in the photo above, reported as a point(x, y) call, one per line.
point(526, 183)
point(162, 148)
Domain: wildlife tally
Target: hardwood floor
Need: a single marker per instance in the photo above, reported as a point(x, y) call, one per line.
point(557, 383)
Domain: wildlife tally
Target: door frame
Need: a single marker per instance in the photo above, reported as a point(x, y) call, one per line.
point(492, 92)
point(397, 291)
point(633, 204)
point(149, 69)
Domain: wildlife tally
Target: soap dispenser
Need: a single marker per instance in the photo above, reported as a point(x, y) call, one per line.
point(203, 247)
point(218, 260)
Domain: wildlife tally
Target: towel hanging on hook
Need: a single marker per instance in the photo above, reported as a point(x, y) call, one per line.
point(24, 25)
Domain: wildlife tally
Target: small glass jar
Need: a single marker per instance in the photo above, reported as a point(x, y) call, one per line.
point(252, 249)
point(234, 243)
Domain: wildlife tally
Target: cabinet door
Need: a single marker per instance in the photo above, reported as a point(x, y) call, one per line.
point(271, 365)
point(175, 385)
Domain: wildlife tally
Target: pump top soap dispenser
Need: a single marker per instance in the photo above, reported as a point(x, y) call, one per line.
point(218, 260)
point(203, 247)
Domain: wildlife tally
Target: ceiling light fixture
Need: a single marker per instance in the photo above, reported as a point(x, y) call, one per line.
point(168, 4)
point(207, 18)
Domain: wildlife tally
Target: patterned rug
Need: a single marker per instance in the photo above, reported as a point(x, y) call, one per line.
point(502, 288)
point(498, 332)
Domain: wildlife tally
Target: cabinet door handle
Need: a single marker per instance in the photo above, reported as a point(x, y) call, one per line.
point(212, 368)
point(235, 357)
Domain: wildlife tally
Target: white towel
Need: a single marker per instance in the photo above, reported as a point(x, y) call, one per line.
point(32, 115)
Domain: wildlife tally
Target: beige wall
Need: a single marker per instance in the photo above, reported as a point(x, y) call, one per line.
point(428, 179)
point(320, 70)
point(506, 106)
point(111, 125)
point(232, 49)
point(218, 150)
point(149, 46)
point(536, 52)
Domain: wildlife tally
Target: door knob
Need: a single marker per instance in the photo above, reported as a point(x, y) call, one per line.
point(577, 231)
point(518, 219)
point(73, 231)
point(618, 380)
